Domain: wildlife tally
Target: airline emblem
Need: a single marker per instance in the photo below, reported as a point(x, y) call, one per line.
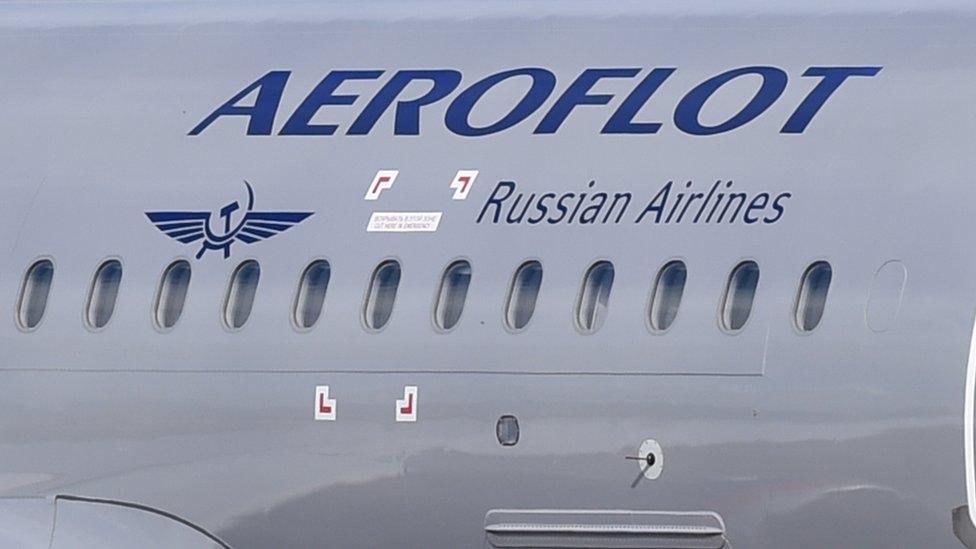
point(188, 227)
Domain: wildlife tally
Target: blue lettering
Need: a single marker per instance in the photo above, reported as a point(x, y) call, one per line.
point(686, 114)
point(832, 78)
point(268, 90)
point(322, 95)
point(407, 120)
point(262, 114)
point(576, 94)
point(456, 118)
point(622, 119)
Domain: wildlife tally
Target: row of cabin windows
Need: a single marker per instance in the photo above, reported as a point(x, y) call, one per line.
point(590, 313)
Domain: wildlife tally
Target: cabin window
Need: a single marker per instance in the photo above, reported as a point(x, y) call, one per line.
point(240, 294)
point(739, 295)
point(33, 294)
point(591, 310)
point(381, 295)
point(507, 430)
point(669, 287)
point(523, 294)
point(812, 297)
point(452, 294)
point(311, 294)
point(104, 291)
point(171, 295)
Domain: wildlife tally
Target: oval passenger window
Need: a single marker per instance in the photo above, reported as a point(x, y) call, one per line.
point(171, 295)
point(523, 295)
point(240, 294)
point(33, 294)
point(812, 298)
point(591, 311)
point(739, 295)
point(452, 294)
point(103, 293)
point(381, 295)
point(666, 296)
point(311, 294)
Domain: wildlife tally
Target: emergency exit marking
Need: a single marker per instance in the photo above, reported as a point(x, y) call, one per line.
point(382, 180)
point(406, 407)
point(325, 407)
point(462, 183)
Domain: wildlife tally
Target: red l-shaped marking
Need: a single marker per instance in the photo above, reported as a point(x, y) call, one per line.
point(380, 181)
point(408, 409)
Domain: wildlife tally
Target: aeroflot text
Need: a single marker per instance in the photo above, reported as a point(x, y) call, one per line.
point(539, 85)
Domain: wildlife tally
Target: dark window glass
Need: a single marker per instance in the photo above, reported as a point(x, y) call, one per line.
point(452, 294)
point(34, 293)
point(591, 311)
point(171, 295)
point(523, 295)
point(382, 295)
point(812, 297)
point(104, 291)
point(666, 297)
point(739, 296)
point(311, 294)
point(240, 294)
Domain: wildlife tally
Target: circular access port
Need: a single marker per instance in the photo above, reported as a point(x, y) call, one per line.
point(651, 459)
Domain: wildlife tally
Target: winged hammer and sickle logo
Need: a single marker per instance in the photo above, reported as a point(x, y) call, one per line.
point(190, 226)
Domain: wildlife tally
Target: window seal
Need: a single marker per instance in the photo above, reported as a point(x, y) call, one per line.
point(293, 314)
point(799, 291)
point(653, 291)
point(440, 288)
point(510, 291)
point(369, 289)
point(23, 287)
point(578, 304)
point(225, 302)
point(723, 298)
point(91, 290)
point(154, 313)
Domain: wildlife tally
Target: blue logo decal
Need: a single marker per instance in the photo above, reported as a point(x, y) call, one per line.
point(189, 226)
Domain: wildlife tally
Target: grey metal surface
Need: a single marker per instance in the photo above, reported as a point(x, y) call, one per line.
point(82, 524)
point(848, 436)
point(26, 522)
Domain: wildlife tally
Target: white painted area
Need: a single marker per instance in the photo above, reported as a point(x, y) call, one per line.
point(404, 222)
point(406, 407)
point(325, 407)
point(651, 446)
point(462, 183)
point(381, 181)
